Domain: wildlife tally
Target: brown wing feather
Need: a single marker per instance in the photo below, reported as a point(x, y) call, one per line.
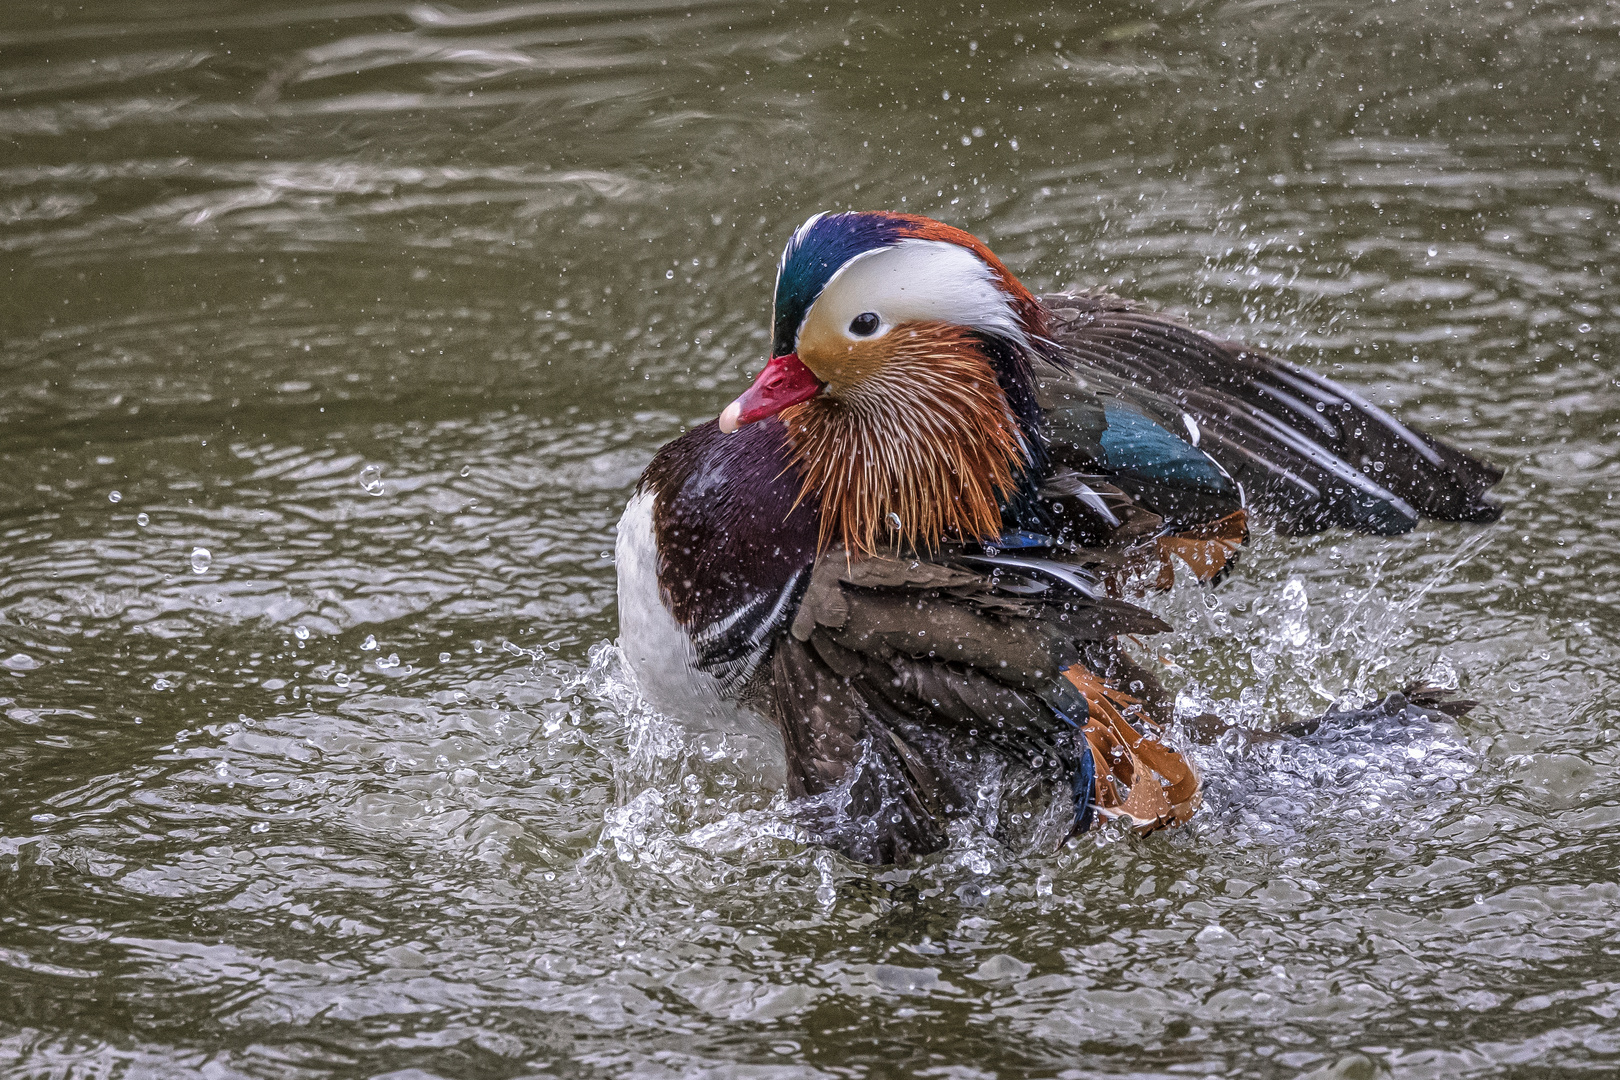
point(903, 680)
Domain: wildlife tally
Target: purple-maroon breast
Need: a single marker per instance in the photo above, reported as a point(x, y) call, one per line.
point(730, 537)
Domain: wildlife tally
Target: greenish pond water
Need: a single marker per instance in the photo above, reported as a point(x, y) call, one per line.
point(333, 337)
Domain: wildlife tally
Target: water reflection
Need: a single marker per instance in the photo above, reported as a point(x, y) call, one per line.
point(384, 306)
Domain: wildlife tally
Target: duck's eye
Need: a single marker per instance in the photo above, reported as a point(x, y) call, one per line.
point(865, 324)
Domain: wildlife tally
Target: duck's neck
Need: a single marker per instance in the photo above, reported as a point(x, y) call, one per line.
point(926, 450)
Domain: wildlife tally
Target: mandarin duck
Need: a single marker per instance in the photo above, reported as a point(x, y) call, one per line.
point(901, 558)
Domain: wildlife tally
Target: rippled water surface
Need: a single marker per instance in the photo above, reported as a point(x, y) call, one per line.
point(333, 337)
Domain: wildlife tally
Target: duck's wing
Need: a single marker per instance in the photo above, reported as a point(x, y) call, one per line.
point(1122, 477)
point(902, 679)
point(1311, 453)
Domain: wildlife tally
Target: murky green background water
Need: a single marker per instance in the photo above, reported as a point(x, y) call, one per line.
point(385, 305)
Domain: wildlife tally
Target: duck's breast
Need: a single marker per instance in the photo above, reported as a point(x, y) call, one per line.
point(659, 650)
point(712, 558)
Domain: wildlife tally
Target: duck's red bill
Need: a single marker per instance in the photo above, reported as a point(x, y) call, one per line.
point(785, 381)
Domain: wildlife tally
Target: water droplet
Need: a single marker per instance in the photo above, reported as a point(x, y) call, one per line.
point(392, 661)
point(369, 644)
point(19, 662)
point(1585, 328)
point(894, 521)
point(142, 520)
point(259, 826)
point(967, 140)
point(371, 479)
point(444, 658)
point(200, 559)
point(669, 274)
point(114, 496)
point(466, 470)
point(1433, 252)
point(946, 96)
point(301, 633)
point(478, 646)
point(341, 678)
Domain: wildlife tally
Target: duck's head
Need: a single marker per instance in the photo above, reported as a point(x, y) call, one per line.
point(900, 367)
point(858, 292)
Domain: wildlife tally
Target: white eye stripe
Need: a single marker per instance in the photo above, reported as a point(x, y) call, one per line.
point(914, 281)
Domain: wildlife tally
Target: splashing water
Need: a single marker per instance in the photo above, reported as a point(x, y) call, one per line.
point(372, 243)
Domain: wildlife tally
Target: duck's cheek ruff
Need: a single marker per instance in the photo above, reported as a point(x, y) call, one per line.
point(924, 450)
